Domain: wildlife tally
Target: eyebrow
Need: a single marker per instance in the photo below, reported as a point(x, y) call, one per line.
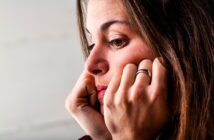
point(106, 25)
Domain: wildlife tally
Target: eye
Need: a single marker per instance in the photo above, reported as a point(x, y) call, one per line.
point(118, 43)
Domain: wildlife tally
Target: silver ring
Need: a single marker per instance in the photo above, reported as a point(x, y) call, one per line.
point(145, 71)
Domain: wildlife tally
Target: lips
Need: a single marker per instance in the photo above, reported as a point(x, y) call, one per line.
point(101, 92)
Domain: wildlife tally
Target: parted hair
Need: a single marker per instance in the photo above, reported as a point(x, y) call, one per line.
point(182, 33)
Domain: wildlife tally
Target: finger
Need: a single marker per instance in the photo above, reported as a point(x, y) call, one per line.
point(142, 79)
point(128, 78)
point(91, 92)
point(83, 90)
point(86, 83)
point(159, 78)
point(111, 90)
point(90, 88)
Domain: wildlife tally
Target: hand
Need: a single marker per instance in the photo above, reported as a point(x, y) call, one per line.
point(135, 106)
point(81, 103)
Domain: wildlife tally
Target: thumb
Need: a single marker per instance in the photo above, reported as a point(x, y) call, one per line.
point(91, 90)
point(92, 93)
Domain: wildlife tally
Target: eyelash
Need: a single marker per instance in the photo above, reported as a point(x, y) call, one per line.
point(113, 43)
point(90, 47)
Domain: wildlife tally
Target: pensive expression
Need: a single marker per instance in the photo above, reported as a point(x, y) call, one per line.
point(113, 43)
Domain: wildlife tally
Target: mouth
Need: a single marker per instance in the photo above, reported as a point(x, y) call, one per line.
point(101, 92)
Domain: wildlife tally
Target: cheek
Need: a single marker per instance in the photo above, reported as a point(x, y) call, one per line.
point(128, 56)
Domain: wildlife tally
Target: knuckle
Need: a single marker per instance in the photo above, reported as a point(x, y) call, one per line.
point(130, 66)
point(135, 95)
point(117, 102)
point(137, 89)
point(138, 93)
point(120, 103)
point(69, 105)
point(108, 105)
point(145, 62)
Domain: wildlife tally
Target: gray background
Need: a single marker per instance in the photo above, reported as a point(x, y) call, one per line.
point(40, 60)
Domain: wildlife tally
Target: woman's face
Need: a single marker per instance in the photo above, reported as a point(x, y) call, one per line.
point(115, 43)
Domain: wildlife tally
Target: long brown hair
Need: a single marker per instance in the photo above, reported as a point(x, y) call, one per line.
point(182, 32)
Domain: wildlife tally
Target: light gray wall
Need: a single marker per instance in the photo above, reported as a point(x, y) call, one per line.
point(40, 60)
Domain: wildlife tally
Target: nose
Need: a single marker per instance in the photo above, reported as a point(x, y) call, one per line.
point(96, 63)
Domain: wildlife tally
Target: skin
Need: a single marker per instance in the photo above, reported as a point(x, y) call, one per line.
point(134, 106)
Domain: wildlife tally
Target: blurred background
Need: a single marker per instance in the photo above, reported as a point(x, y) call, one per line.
point(40, 61)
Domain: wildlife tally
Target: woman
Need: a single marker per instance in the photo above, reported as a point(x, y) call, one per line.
point(149, 70)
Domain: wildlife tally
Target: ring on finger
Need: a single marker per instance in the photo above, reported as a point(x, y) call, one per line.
point(144, 71)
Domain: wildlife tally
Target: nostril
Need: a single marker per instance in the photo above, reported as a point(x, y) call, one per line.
point(97, 71)
point(96, 64)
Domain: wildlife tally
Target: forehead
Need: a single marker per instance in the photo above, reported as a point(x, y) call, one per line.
point(101, 11)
